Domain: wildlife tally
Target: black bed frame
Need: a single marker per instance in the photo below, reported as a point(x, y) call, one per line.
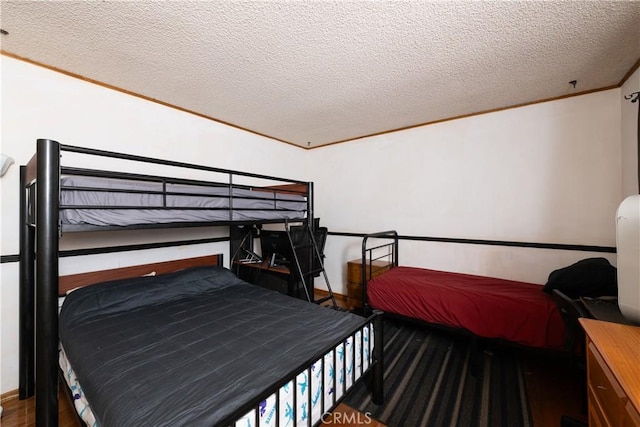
point(387, 251)
point(385, 248)
point(40, 229)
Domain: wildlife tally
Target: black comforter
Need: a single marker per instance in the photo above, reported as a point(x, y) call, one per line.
point(188, 348)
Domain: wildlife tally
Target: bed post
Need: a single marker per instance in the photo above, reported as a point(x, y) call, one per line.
point(366, 308)
point(27, 286)
point(310, 213)
point(377, 392)
point(367, 267)
point(312, 229)
point(48, 190)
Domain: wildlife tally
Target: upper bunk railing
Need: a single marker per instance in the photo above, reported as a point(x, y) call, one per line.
point(40, 228)
point(32, 171)
point(273, 194)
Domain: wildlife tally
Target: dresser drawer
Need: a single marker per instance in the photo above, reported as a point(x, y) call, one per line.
point(631, 416)
point(612, 373)
point(596, 417)
point(605, 388)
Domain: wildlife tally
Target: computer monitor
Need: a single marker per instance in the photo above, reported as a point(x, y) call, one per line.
point(628, 253)
point(275, 242)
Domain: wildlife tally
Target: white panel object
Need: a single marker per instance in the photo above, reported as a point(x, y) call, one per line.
point(628, 248)
point(5, 162)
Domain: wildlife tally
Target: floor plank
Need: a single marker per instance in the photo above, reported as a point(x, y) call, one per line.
point(554, 389)
point(346, 416)
point(21, 413)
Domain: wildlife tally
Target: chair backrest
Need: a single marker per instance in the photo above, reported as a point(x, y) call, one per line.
point(571, 310)
point(320, 234)
point(306, 256)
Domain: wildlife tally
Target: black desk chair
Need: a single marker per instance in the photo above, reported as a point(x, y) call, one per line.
point(320, 236)
point(299, 236)
point(571, 310)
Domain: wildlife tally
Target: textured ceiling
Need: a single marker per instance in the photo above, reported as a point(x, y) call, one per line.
point(327, 71)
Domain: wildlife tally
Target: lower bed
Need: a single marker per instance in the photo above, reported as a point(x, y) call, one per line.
point(202, 347)
point(488, 307)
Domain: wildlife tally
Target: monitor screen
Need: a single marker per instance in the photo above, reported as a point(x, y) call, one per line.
point(275, 242)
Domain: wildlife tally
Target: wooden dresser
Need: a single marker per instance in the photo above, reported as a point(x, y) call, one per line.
point(354, 279)
point(613, 373)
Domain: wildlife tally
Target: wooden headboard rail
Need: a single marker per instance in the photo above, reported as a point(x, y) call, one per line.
point(302, 189)
point(67, 283)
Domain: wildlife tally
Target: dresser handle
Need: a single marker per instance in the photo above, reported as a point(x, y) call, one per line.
point(600, 387)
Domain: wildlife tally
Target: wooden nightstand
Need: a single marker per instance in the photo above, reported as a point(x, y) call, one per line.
point(354, 279)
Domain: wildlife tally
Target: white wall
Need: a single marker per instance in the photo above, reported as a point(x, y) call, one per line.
point(546, 173)
point(549, 172)
point(39, 103)
point(630, 135)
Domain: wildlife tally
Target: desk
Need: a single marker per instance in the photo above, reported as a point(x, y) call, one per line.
point(604, 309)
point(613, 375)
point(264, 266)
point(278, 278)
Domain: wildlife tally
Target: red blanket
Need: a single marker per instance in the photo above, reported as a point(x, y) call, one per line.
point(488, 307)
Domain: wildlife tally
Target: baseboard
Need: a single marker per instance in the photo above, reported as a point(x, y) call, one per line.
point(10, 395)
point(341, 300)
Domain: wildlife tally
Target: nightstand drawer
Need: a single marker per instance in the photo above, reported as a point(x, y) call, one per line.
point(354, 279)
point(605, 387)
point(354, 295)
point(354, 269)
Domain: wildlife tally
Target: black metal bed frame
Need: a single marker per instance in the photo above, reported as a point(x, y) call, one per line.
point(389, 251)
point(376, 368)
point(40, 229)
point(385, 251)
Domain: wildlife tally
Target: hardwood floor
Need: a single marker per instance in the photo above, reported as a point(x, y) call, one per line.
point(21, 413)
point(553, 389)
point(346, 416)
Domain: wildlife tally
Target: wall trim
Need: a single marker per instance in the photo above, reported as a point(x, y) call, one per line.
point(507, 243)
point(4, 259)
point(558, 246)
point(123, 248)
point(166, 104)
point(629, 73)
point(464, 116)
point(137, 95)
point(341, 299)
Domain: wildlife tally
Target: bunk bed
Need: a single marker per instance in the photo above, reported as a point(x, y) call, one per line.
point(482, 307)
point(57, 198)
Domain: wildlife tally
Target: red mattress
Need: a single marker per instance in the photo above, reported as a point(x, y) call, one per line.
point(488, 307)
